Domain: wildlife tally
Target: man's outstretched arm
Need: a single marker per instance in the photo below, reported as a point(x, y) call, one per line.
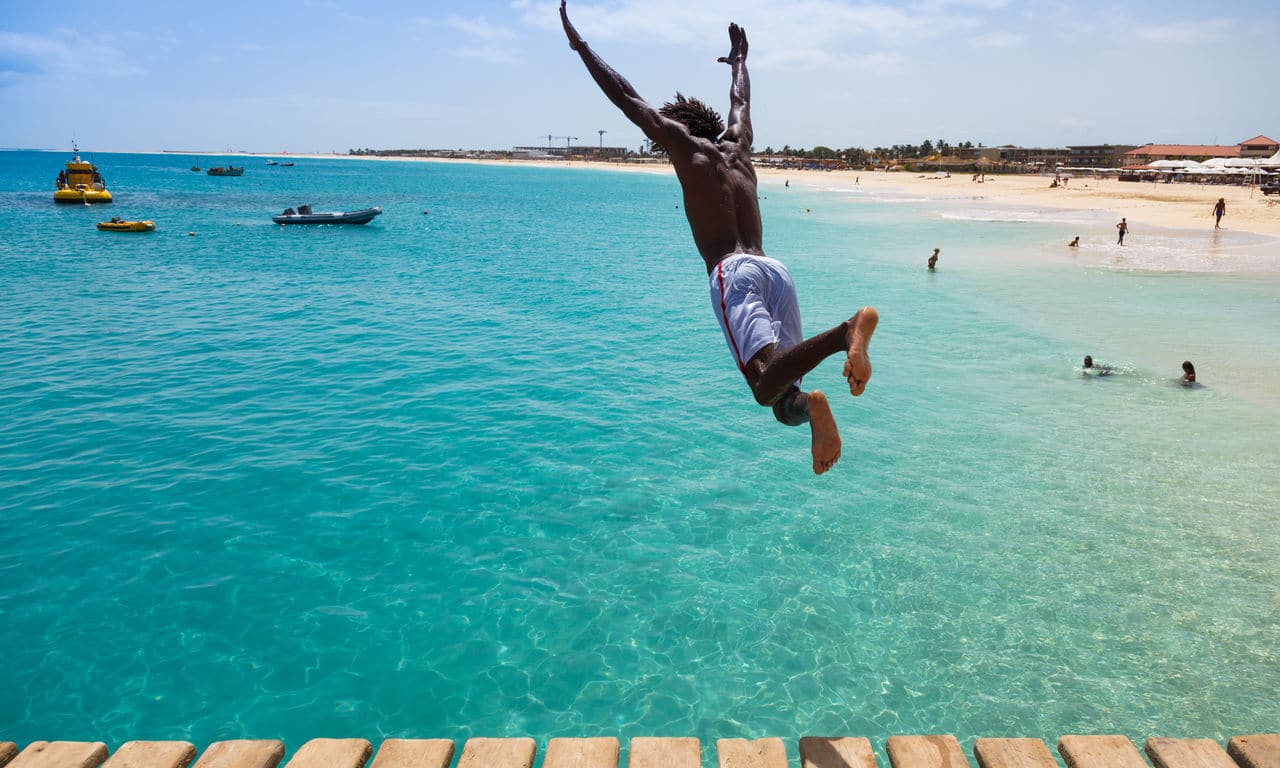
point(620, 92)
point(739, 127)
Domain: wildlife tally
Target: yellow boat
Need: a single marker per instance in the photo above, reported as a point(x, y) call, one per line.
point(81, 183)
point(116, 225)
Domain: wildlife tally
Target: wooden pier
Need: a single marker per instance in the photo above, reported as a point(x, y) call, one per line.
point(1258, 751)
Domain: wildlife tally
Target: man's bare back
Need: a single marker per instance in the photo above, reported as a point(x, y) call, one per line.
point(720, 199)
point(713, 164)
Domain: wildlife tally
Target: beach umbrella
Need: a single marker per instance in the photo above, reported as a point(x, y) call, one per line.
point(1169, 163)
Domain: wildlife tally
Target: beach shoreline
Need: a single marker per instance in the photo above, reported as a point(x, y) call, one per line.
point(1174, 206)
point(1178, 206)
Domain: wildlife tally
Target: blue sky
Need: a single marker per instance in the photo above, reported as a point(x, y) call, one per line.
point(331, 75)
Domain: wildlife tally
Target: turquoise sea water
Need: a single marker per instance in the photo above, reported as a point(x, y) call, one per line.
point(490, 471)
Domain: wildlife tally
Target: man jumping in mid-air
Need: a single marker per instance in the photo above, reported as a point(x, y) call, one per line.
point(752, 294)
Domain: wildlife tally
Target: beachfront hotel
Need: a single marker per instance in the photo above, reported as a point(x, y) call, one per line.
point(1258, 146)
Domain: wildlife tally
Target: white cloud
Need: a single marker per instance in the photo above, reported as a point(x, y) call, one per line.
point(1077, 125)
point(844, 36)
point(479, 28)
point(818, 60)
point(999, 40)
point(1186, 32)
point(490, 53)
point(986, 5)
point(484, 41)
point(829, 33)
point(67, 53)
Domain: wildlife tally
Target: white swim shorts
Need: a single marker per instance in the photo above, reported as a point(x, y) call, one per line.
point(755, 301)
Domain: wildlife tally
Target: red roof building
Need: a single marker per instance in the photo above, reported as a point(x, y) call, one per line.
point(1153, 152)
point(1259, 146)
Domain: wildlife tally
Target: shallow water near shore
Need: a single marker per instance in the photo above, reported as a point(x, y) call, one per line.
point(490, 471)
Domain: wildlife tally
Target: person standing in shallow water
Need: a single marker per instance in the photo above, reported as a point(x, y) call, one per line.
point(752, 295)
point(933, 260)
point(1123, 228)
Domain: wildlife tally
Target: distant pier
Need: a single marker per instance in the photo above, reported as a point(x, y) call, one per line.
point(1257, 751)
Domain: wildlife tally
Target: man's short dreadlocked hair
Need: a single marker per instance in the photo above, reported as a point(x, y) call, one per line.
point(700, 119)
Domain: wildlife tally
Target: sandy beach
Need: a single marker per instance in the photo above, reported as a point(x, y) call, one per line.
point(1172, 206)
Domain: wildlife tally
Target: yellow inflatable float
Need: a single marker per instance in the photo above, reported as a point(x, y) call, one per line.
point(117, 225)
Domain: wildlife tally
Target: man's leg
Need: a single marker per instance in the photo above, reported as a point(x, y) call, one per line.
point(857, 366)
point(772, 375)
point(795, 408)
point(771, 372)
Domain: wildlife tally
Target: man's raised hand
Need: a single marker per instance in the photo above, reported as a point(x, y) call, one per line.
point(737, 43)
point(575, 39)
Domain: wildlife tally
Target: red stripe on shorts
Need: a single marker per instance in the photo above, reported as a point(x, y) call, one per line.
point(737, 354)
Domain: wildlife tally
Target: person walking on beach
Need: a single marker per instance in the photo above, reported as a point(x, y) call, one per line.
point(933, 260)
point(1219, 210)
point(1123, 226)
point(752, 295)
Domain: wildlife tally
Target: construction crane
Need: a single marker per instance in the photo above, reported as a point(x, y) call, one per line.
point(567, 139)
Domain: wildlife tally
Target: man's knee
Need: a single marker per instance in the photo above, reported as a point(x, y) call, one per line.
point(792, 408)
point(767, 389)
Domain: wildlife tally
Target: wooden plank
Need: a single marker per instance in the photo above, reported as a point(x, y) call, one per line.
point(1187, 753)
point(331, 753)
point(1109, 751)
point(152, 754)
point(8, 751)
point(61, 754)
point(242, 753)
point(654, 752)
point(414, 753)
point(581, 753)
point(745, 753)
point(936, 751)
point(1261, 750)
point(497, 753)
point(1013, 753)
point(836, 752)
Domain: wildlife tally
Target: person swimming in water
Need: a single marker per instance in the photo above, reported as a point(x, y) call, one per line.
point(1188, 373)
point(752, 295)
point(1099, 369)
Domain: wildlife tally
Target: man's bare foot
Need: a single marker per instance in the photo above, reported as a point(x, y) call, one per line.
point(826, 437)
point(857, 367)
